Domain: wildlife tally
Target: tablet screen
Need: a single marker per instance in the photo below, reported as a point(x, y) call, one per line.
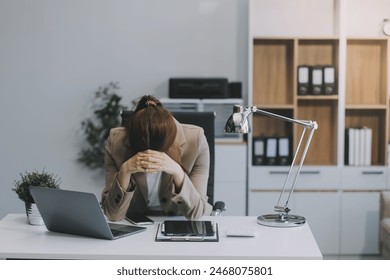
point(188, 228)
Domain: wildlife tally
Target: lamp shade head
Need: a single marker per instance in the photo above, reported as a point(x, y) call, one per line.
point(238, 121)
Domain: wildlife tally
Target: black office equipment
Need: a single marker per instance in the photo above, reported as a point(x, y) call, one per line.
point(200, 88)
point(235, 90)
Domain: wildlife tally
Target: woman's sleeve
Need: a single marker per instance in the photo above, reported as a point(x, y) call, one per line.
point(115, 201)
point(192, 199)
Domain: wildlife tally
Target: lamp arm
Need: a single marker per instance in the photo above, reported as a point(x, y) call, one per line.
point(310, 124)
point(285, 208)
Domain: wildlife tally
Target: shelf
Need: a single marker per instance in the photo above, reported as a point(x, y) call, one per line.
point(323, 148)
point(376, 120)
point(267, 126)
point(365, 107)
point(366, 76)
point(318, 97)
point(275, 107)
point(273, 68)
point(318, 51)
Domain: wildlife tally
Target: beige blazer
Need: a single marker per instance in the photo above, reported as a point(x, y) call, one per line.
point(191, 202)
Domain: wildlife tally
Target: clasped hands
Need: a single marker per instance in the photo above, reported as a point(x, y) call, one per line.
point(150, 161)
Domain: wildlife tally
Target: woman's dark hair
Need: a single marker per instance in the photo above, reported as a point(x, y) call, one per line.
point(151, 126)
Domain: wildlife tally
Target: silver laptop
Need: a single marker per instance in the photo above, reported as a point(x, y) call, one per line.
point(77, 213)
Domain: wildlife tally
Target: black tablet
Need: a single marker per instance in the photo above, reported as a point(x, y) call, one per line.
point(188, 228)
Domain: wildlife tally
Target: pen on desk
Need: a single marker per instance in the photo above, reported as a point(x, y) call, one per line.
point(187, 238)
point(162, 228)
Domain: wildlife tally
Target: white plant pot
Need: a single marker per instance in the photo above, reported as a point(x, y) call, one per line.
point(33, 214)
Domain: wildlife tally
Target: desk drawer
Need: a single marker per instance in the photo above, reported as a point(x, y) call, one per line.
point(311, 178)
point(364, 178)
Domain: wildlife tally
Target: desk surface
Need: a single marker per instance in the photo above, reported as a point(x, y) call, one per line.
point(22, 240)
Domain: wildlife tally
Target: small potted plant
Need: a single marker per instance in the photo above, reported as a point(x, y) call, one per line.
point(22, 189)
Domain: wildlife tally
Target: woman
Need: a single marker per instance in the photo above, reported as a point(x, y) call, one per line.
point(155, 165)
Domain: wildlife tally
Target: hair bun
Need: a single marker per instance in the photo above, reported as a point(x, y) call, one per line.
point(150, 103)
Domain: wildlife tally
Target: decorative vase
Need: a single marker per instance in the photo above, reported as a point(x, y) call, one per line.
point(33, 214)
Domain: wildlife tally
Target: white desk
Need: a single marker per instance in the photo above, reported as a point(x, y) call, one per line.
point(21, 240)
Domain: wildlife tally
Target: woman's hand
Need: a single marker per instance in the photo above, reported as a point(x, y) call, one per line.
point(153, 161)
point(129, 167)
point(150, 161)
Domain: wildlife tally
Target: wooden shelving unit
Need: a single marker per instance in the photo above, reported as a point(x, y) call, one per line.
point(364, 102)
point(367, 91)
point(275, 63)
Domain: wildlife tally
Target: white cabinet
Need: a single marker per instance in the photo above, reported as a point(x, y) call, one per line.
point(230, 177)
point(360, 223)
point(361, 187)
point(322, 212)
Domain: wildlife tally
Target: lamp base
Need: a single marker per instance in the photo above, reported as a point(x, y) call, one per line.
point(281, 220)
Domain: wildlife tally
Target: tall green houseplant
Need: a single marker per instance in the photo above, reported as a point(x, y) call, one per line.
point(106, 115)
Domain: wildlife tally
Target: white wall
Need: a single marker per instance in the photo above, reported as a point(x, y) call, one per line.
point(55, 53)
point(319, 17)
point(293, 18)
point(365, 17)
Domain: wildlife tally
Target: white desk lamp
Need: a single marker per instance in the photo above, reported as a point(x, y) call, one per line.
point(238, 123)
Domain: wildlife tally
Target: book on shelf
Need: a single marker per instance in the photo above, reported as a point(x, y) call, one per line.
point(358, 146)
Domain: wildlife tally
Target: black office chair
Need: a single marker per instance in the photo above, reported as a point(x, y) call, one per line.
point(206, 121)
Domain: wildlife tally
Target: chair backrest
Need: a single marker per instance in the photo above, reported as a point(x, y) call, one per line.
point(206, 121)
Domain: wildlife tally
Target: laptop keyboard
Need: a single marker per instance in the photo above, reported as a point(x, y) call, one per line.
point(117, 233)
point(119, 230)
